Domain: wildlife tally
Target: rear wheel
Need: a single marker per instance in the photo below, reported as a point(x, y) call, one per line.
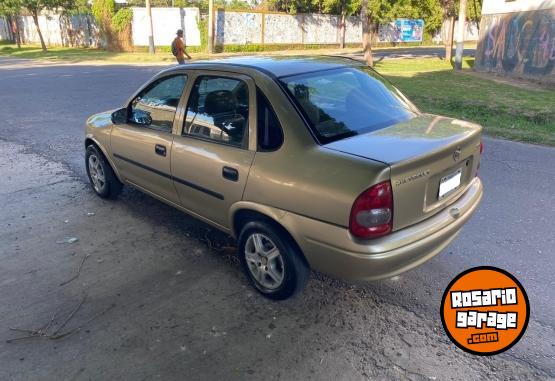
point(101, 176)
point(272, 261)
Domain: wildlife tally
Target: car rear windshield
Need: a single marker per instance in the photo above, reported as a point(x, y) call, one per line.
point(343, 102)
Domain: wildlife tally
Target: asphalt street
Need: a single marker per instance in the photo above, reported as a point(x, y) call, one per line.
point(165, 295)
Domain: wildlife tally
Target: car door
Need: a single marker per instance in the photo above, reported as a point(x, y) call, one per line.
point(141, 148)
point(214, 150)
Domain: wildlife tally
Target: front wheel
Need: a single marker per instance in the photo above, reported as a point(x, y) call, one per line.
point(272, 261)
point(101, 176)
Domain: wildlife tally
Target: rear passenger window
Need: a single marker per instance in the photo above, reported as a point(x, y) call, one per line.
point(270, 134)
point(218, 110)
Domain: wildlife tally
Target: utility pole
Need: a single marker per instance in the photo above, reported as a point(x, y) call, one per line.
point(460, 35)
point(210, 26)
point(150, 29)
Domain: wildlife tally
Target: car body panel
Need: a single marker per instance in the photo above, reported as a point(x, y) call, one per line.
point(420, 152)
point(133, 152)
point(306, 187)
point(331, 249)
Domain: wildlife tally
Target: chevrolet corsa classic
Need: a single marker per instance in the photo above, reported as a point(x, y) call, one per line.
point(308, 162)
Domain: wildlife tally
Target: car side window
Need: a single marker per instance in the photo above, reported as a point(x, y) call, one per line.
point(269, 132)
point(218, 110)
point(155, 106)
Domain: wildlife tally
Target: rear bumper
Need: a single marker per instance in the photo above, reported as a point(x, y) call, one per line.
point(331, 249)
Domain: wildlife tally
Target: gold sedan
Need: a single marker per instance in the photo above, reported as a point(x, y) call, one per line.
point(308, 162)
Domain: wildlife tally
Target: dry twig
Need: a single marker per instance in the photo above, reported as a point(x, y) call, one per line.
point(56, 335)
point(78, 271)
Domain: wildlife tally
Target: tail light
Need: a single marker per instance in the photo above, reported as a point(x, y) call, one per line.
point(372, 212)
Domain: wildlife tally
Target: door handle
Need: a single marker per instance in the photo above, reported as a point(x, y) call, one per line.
point(230, 173)
point(160, 150)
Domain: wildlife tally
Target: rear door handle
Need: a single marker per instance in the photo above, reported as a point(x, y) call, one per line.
point(160, 150)
point(230, 173)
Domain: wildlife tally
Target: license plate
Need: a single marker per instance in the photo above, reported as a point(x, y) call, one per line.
point(449, 183)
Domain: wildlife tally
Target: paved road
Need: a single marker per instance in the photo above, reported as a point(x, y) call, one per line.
point(179, 307)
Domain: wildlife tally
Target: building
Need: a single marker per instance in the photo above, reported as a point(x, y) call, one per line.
point(517, 38)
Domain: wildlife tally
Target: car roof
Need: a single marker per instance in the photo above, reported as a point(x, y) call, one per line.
point(277, 66)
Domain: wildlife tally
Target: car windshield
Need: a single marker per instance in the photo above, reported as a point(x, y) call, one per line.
point(349, 101)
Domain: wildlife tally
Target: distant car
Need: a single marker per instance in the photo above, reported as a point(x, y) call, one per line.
point(308, 162)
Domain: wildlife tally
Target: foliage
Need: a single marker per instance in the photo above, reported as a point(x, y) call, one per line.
point(103, 10)
point(10, 7)
point(122, 19)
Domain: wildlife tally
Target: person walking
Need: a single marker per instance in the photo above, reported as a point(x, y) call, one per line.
point(178, 48)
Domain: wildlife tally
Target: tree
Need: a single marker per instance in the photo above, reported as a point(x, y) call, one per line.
point(35, 7)
point(372, 13)
point(449, 13)
point(11, 10)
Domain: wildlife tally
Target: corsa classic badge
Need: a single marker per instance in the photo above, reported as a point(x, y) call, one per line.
point(485, 311)
point(408, 179)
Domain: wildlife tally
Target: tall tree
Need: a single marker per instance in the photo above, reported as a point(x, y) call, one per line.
point(11, 9)
point(35, 7)
point(449, 13)
point(372, 13)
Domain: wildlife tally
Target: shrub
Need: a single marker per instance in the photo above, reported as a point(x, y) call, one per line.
point(122, 19)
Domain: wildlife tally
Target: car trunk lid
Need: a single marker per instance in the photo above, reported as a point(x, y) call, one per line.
point(432, 160)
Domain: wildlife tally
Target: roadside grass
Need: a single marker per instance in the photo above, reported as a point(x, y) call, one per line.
point(81, 54)
point(504, 110)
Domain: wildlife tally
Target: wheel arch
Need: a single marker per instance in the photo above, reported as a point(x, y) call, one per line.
point(90, 140)
point(243, 212)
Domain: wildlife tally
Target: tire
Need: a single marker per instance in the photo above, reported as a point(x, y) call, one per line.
point(276, 275)
point(101, 175)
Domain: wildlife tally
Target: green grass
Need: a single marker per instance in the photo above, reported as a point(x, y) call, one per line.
point(504, 110)
point(81, 54)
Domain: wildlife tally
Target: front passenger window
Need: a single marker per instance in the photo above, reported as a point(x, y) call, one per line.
point(218, 110)
point(156, 105)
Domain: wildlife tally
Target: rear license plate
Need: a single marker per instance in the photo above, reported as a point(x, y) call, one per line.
point(449, 183)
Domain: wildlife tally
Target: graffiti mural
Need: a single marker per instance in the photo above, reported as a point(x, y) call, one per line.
point(520, 44)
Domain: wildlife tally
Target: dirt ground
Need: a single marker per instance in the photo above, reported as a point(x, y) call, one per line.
point(163, 300)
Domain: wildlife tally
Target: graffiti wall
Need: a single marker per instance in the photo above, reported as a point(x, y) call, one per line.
point(521, 44)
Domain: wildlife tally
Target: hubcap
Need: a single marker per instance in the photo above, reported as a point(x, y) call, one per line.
point(96, 173)
point(264, 261)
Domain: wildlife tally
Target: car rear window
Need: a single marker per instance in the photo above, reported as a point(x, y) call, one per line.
point(344, 102)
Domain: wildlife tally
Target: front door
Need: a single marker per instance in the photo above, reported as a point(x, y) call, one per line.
point(142, 147)
point(212, 155)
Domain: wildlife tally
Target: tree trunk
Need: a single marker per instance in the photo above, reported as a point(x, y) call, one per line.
point(449, 42)
point(342, 31)
point(15, 21)
point(36, 20)
point(366, 34)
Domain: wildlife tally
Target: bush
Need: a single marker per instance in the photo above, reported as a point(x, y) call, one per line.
point(103, 10)
point(122, 19)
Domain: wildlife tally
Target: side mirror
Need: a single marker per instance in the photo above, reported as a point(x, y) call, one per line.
point(141, 117)
point(119, 116)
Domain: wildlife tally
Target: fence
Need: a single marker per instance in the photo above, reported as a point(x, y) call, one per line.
point(165, 22)
point(231, 27)
point(56, 30)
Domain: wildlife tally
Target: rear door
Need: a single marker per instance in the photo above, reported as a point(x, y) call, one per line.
point(141, 147)
point(215, 145)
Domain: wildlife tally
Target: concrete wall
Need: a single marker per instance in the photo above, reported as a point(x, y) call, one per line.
point(520, 44)
point(4, 30)
point(165, 22)
point(471, 31)
point(493, 7)
point(56, 30)
point(278, 28)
